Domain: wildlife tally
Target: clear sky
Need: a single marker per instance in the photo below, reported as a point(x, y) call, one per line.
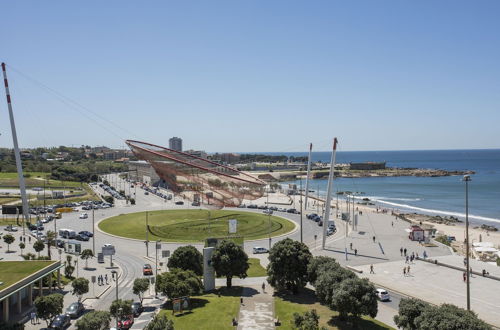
point(254, 75)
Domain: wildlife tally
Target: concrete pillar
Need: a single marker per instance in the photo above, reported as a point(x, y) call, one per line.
point(30, 295)
point(50, 283)
point(40, 287)
point(59, 278)
point(6, 309)
point(19, 305)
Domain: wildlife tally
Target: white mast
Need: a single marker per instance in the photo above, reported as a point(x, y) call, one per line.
point(308, 173)
point(17, 155)
point(326, 216)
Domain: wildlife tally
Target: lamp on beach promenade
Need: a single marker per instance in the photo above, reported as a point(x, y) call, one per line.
point(467, 179)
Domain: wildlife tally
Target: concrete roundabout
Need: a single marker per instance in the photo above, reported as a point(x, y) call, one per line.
point(195, 225)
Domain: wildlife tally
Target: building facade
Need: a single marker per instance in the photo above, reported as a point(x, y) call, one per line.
point(175, 143)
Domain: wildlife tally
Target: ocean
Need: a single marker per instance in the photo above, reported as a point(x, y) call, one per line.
point(434, 196)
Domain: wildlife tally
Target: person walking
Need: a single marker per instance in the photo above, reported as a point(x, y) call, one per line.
point(404, 271)
point(392, 223)
point(401, 251)
point(373, 239)
point(263, 287)
point(29, 239)
point(32, 317)
point(106, 278)
point(408, 270)
point(355, 252)
point(406, 260)
point(404, 251)
point(371, 269)
point(465, 276)
point(350, 245)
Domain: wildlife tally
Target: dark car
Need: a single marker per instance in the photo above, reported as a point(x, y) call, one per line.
point(81, 237)
point(62, 321)
point(179, 203)
point(75, 310)
point(137, 308)
point(86, 233)
point(294, 211)
point(60, 243)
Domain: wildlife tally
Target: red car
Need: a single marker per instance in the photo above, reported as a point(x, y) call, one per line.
point(126, 322)
point(147, 270)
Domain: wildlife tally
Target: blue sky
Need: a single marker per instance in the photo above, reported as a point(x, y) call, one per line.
point(254, 75)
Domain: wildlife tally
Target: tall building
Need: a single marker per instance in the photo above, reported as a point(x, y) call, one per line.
point(175, 143)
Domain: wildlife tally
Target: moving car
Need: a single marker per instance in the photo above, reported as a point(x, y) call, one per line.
point(126, 322)
point(137, 308)
point(86, 233)
point(258, 249)
point(268, 211)
point(75, 310)
point(383, 295)
point(81, 237)
point(62, 321)
point(330, 231)
point(84, 216)
point(147, 269)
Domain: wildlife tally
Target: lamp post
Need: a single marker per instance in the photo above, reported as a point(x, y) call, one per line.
point(157, 246)
point(114, 274)
point(466, 179)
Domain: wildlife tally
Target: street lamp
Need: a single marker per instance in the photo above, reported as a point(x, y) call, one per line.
point(466, 179)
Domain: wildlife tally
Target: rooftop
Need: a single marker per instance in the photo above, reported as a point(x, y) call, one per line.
point(12, 272)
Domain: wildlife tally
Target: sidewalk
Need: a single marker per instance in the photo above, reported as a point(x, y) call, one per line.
point(257, 310)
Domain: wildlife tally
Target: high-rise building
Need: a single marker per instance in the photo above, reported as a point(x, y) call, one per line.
point(175, 143)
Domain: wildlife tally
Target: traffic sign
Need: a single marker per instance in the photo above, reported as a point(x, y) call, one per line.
point(165, 253)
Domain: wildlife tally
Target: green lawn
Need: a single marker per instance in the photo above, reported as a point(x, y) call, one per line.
point(286, 305)
point(255, 270)
point(193, 225)
point(209, 311)
point(35, 179)
point(14, 271)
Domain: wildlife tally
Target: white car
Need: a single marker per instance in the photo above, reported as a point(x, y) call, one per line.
point(267, 211)
point(260, 250)
point(11, 228)
point(383, 295)
point(84, 216)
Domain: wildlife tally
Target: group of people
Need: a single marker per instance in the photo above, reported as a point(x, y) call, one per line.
point(34, 318)
point(101, 279)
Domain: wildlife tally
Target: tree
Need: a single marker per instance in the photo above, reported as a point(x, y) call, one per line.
point(187, 258)
point(8, 239)
point(229, 259)
point(449, 317)
point(120, 307)
point(95, 320)
point(313, 269)
point(329, 278)
point(178, 283)
point(141, 285)
point(51, 241)
point(48, 307)
point(288, 261)
point(80, 287)
point(307, 321)
point(354, 296)
point(86, 255)
point(409, 310)
point(160, 322)
point(22, 246)
point(38, 246)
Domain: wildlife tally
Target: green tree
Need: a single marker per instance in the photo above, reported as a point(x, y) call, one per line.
point(449, 317)
point(86, 255)
point(187, 258)
point(409, 310)
point(51, 241)
point(38, 246)
point(48, 307)
point(22, 246)
point(120, 308)
point(95, 320)
point(160, 322)
point(229, 259)
point(8, 239)
point(307, 321)
point(141, 285)
point(313, 269)
point(329, 278)
point(178, 283)
point(80, 287)
point(288, 262)
point(356, 297)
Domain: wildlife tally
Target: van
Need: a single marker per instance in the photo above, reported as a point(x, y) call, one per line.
point(67, 233)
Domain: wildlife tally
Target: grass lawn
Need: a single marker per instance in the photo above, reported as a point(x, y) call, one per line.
point(35, 179)
point(193, 225)
point(256, 270)
point(209, 311)
point(14, 271)
point(286, 305)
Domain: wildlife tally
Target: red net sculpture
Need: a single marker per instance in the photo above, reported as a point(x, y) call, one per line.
point(198, 179)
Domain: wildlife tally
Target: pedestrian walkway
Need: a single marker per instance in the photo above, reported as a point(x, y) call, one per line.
point(257, 308)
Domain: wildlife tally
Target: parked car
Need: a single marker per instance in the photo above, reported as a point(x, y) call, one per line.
point(126, 322)
point(137, 308)
point(294, 211)
point(84, 216)
point(75, 310)
point(268, 211)
point(383, 295)
point(86, 233)
point(146, 193)
point(81, 237)
point(258, 249)
point(311, 216)
point(179, 203)
point(330, 231)
point(62, 321)
point(194, 204)
point(11, 228)
point(147, 269)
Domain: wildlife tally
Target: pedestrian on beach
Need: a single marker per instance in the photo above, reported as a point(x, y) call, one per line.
point(404, 251)
point(404, 271)
point(371, 269)
point(355, 252)
point(408, 270)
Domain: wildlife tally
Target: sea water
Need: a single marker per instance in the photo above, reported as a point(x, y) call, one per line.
point(429, 195)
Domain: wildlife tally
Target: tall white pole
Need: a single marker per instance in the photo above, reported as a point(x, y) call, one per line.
point(17, 154)
point(326, 216)
point(308, 173)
